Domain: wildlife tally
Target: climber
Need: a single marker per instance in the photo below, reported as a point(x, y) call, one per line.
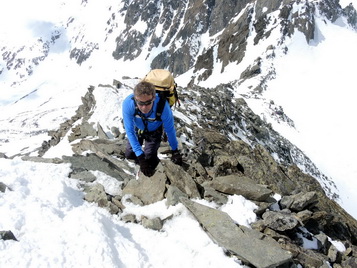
point(143, 121)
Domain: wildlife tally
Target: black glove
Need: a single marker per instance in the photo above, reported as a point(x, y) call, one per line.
point(145, 166)
point(176, 157)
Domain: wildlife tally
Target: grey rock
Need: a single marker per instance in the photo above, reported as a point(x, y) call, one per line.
point(148, 190)
point(7, 235)
point(211, 194)
point(96, 193)
point(82, 131)
point(262, 207)
point(112, 208)
point(225, 165)
point(101, 132)
point(118, 165)
point(214, 138)
point(42, 159)
point(92, 162)
point(84, 112)
point(306, 258)
point(201, 172)
point(324, 242)
point(117, 83)
point(300, 201)
point(251, 71)
point(116, 200)
point(333, 254)
point(259, 165)
point(304, 215)
point(181, 179)
point(351, 14)
point(249, 245)
point(173, 195)
point(240, 185)
point(134, 200)
point(280, 221)
point(111, 147)
point(154, 224)
point(3, 187)
point(86, 176)
point(115, 131)
point(128, 218)
point(349, 263)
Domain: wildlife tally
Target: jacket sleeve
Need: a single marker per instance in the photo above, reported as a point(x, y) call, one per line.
point(168, 122)
point(128, 118)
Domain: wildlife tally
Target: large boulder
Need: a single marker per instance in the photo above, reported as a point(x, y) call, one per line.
point(148, 190)
point(181, 179)
point(240, 185)
point(249, 245)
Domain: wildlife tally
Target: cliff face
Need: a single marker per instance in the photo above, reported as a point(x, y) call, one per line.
point(180, 36)
point(196, 34)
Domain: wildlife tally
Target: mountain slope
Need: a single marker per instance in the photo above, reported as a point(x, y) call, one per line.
point(91, 43)
point(260, 87)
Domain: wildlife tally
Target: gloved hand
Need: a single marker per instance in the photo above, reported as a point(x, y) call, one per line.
point(145, 166)
point(176, 157)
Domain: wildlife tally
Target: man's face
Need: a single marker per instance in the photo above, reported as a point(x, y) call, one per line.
point(144, 103)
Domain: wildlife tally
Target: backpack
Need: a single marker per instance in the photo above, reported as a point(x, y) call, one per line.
point(164, 84)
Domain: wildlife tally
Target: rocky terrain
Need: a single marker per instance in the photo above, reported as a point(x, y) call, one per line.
point(184, 36)
point(216, 164)
point(227, 148)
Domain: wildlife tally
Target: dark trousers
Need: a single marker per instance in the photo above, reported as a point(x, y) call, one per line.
point(152, 143)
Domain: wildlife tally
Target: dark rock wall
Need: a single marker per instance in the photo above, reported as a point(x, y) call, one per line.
point(184, 22)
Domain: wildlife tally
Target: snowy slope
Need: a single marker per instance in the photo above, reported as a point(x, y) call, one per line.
point(314, 83)
point(57, 228)
point(311, 84)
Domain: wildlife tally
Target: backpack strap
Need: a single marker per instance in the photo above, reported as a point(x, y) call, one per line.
point(137, 113)
point(160, 106)
point(177, 100)
point(159, 110)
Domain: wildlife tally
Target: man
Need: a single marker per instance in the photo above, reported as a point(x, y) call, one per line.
point(141, 124)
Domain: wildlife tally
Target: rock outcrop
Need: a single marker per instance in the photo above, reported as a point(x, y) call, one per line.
point(181, 35)
point(227, 24)
point(218, 164)
point(248, 244)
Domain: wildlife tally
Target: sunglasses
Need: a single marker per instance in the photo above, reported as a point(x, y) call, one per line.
point(144, 103)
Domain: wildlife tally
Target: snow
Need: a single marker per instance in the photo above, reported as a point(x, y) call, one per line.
point(55, 227)
point(345, 3)
point(338, 244)
point(45, 209)
point(321, 102)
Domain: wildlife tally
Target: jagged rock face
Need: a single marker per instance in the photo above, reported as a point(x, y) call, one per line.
point(16, 60)
point(179, 26)
point(181, 35)
point(351, 15)
point(216, 111)
point(302, 20)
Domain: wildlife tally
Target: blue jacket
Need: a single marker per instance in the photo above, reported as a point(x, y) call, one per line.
point(131, 121)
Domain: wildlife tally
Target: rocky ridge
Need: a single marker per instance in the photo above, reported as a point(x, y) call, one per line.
point(227, 148)
point(173, 35)
point(223, 155)
point(228, 24)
